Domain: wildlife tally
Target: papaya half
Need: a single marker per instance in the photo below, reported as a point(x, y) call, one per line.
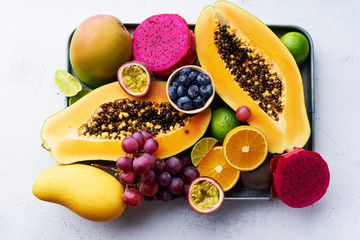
point(94, 127)
point(252, 67)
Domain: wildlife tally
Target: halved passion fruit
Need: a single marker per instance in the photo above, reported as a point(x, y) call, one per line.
point(135, 78)
point(205, 195)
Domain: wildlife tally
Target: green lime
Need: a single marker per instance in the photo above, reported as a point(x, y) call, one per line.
point(79, 95)
point(222, 121)
point(66, 83)
point(298, 45)
point(201, 148)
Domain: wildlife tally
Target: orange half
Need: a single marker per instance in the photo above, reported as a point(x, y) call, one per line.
point(245, 148)
point(215, 166)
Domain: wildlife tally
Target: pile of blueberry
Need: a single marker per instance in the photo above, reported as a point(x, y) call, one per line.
point(190, 89)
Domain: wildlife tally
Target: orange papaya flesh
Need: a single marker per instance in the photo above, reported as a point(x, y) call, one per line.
point(74, 135)
point(261, 74)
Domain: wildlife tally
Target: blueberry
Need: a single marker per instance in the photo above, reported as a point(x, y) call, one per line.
point(184, 103)
point(193, 75)
point(202, 79)
point(193, 91)
point(185, 71)
point(172, 93)
point(176, 84)
point(184, 80)
point(181, 91)
point(206, 90)
point(199, 102)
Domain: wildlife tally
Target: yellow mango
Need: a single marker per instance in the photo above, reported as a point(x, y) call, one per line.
point(86, 190)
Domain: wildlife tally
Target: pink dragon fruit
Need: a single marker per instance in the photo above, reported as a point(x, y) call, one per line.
point(300, 177)
point(164, 42)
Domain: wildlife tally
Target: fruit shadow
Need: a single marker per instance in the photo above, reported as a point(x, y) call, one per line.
point(150, 211)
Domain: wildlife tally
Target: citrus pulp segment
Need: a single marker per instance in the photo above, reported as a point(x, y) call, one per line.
point(201, 148)
point(66, 83)
point(245, 148)
point(215, 166)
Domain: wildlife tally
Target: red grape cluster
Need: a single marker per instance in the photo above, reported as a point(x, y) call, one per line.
point(147, 176)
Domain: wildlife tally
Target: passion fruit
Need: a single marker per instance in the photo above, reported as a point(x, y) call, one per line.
point(135, 78)
point(205, 195)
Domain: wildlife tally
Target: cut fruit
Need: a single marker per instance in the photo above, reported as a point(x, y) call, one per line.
point(301, 177)
point(66, 83)
point(201, 148)
point(94, 127)
point(205, 195)
point(259, 72)
point(245, 148)
point(79, 95)
point(135, 78)
point(215, 166)
point(164, 42)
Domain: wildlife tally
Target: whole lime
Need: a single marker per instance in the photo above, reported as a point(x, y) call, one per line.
point(298, 45)
point(222, 121)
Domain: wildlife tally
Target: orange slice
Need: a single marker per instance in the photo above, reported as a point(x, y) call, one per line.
point(245, 148)
point(215, 166)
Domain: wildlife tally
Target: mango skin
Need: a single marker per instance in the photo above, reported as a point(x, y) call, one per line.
point(87, 191)
point(99, 46)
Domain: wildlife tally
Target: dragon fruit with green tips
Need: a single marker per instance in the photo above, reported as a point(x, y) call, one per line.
point(300, 177)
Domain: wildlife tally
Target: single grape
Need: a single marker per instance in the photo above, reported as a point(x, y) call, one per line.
point(184, 193)
point(139, 138)
point(151, 158)
point(174, 165)
point(147, 135)
point(151, 145)
point(124, 163)
point(149, 189)
point(147, 177)
point(186, 161)
point(133, 197)
point(176, 185)
point(189, 174)
point(159, 166)
point(128, 177)
point(129, 145)
point(243, 113)
point(166, 195)
point(141, 164)
point(164, 179)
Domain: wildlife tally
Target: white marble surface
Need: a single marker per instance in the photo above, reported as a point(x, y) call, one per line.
point(32, 46)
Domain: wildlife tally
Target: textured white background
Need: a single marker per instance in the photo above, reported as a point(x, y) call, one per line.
point(33, 39)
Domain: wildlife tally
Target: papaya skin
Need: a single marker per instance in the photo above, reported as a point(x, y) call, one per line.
point(87, 191)
point(99, 46)
point(60, 131)
point(293, 127)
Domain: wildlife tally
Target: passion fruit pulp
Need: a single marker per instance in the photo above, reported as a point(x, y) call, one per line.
point(205, 195)
point(135, 78)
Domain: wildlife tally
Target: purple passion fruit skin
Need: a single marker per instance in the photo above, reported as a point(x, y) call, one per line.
point(205, 195)
point(135, 78)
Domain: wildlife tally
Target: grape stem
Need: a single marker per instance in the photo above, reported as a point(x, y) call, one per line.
point(105, 167)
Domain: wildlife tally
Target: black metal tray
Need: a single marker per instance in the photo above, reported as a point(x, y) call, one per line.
point(240, 192)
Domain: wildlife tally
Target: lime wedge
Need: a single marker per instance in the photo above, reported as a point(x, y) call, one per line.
point(201, 148)
point(79, 95)
point(66, 83)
